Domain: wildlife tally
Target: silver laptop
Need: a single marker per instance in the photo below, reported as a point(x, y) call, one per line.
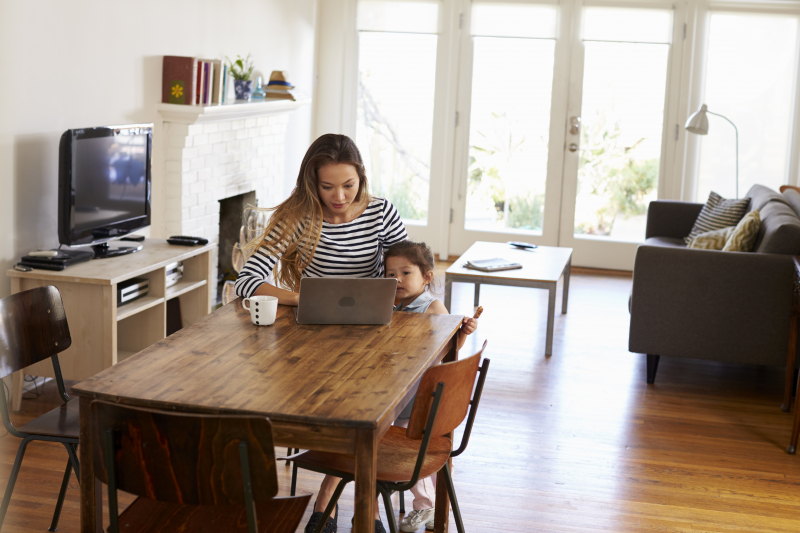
point(342, 300)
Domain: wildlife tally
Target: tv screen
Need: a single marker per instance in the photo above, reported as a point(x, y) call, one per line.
point(104, 182)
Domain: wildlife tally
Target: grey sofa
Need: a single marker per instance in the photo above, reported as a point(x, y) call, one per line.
point(707, 304)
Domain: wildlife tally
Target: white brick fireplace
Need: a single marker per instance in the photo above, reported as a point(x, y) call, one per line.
point(216, 152)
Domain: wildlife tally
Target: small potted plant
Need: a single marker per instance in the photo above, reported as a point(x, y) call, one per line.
point(241, 69)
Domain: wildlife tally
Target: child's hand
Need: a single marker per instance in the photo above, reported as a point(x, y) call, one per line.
point(468, 326)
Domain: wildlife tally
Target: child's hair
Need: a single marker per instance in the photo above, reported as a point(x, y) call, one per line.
point(418, 253)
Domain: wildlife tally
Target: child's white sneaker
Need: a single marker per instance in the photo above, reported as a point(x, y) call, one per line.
point(413, 520)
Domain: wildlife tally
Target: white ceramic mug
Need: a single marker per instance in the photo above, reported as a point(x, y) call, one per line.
point(262, 309)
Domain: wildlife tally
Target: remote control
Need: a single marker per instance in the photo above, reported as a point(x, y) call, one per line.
point(185, 240)
point(22, 268)
point(522, 245)
point(134, 238)
point(43, 253)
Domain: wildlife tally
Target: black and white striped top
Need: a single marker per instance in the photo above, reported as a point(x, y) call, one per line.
point(353, 249)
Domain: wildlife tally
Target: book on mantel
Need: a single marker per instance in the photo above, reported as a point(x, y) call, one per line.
point(178, 80)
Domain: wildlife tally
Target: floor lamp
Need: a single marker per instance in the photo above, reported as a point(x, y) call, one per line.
point(698, 123)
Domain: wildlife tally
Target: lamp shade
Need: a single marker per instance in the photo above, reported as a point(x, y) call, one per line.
point(698, 122)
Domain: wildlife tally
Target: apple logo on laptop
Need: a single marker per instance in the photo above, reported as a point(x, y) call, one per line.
point(347, 302)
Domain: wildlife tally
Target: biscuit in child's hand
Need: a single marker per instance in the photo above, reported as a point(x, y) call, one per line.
point(478, 312)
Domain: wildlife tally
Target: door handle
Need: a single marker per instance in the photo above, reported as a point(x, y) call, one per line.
point(574, 125)
point(573, 147)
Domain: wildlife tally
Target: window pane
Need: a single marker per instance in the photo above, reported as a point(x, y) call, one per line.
point(751, 81)
point(622, 113)
point(512, 81)
point(514, 20)
point(395, 117)
point(627, 25)
point(398, 16)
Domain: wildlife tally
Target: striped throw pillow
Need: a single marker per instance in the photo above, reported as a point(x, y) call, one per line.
point(718, 213)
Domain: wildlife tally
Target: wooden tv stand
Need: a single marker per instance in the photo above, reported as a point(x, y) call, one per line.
point(103, 333)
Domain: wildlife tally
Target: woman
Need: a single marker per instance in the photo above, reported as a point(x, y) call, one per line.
point(329, 226)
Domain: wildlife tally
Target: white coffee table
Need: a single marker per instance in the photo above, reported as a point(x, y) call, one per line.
point(541, 269)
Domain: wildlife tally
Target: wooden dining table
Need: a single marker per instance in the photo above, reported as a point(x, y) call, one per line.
point(334, 388)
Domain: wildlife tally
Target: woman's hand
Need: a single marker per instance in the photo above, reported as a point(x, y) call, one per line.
point(468, 326)
point(284, 297)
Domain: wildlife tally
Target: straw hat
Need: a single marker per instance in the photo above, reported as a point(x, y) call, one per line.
point(277, 81)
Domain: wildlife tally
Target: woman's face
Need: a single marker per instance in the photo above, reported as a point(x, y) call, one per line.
point(337, 186)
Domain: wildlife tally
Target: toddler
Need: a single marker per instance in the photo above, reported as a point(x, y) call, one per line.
point(411, 263)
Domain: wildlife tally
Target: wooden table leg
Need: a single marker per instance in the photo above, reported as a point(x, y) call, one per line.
point(91, 489)
point(551, 315)
point(366, 487)
point(448, 291)
point(792, 350)
point(567, 272)
point(796, 425)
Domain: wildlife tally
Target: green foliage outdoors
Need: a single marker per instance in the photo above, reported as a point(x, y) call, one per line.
point(403, 197)
point(514, 203)
point(242, 68)
point(613, 171)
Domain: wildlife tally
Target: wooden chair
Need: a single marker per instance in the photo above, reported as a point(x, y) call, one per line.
point(192, 472)
point(407, 454)
point(33, 327)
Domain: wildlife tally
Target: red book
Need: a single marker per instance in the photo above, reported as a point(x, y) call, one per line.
point(199, 91)
point(178, 76)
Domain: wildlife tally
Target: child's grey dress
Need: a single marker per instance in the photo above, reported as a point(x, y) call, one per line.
point(419, 305)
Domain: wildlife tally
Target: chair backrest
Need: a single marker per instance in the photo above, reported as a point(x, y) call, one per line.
point(33, 327)
point(458, 378)
point(184, 458)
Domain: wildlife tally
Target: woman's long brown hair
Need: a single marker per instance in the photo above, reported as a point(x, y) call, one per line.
point(295, 226)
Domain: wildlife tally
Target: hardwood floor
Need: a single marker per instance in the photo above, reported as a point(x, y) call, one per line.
point(575, 442)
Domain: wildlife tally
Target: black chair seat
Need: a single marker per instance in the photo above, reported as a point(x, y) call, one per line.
point(63, 421)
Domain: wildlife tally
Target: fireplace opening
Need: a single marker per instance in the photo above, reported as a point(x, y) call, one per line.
point(230, 225)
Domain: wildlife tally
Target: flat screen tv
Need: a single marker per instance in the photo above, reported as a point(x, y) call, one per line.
point(104, 185)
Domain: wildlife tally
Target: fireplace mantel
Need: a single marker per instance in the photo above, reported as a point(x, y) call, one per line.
point(199, 114)
point(215, 152)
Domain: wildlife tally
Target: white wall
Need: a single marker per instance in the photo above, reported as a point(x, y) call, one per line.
point(80, 63)
point(334, 107)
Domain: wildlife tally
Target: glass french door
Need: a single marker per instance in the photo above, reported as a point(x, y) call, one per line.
point(567, 111)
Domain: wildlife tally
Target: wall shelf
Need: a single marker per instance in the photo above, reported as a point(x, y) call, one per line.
point(198, 114)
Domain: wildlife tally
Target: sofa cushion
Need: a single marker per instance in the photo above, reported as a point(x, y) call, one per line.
point(670, 242)
point(743, 236)
point(760, 195)
point(793, 198)
point(780, 229)
point(718, 213)
point(712, 240)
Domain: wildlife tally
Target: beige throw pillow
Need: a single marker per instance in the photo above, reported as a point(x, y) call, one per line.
point(743, 237)
point(712, 240)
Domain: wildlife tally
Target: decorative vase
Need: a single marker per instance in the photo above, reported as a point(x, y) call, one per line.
point(258, 93)
point(243, 89)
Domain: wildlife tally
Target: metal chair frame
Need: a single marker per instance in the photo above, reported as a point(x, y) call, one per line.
point(70, 444)
point(385, 489)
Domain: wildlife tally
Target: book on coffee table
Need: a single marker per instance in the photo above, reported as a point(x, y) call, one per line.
point(495, 264)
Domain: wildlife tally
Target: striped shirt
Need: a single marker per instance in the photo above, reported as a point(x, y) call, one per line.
point(353, 249)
